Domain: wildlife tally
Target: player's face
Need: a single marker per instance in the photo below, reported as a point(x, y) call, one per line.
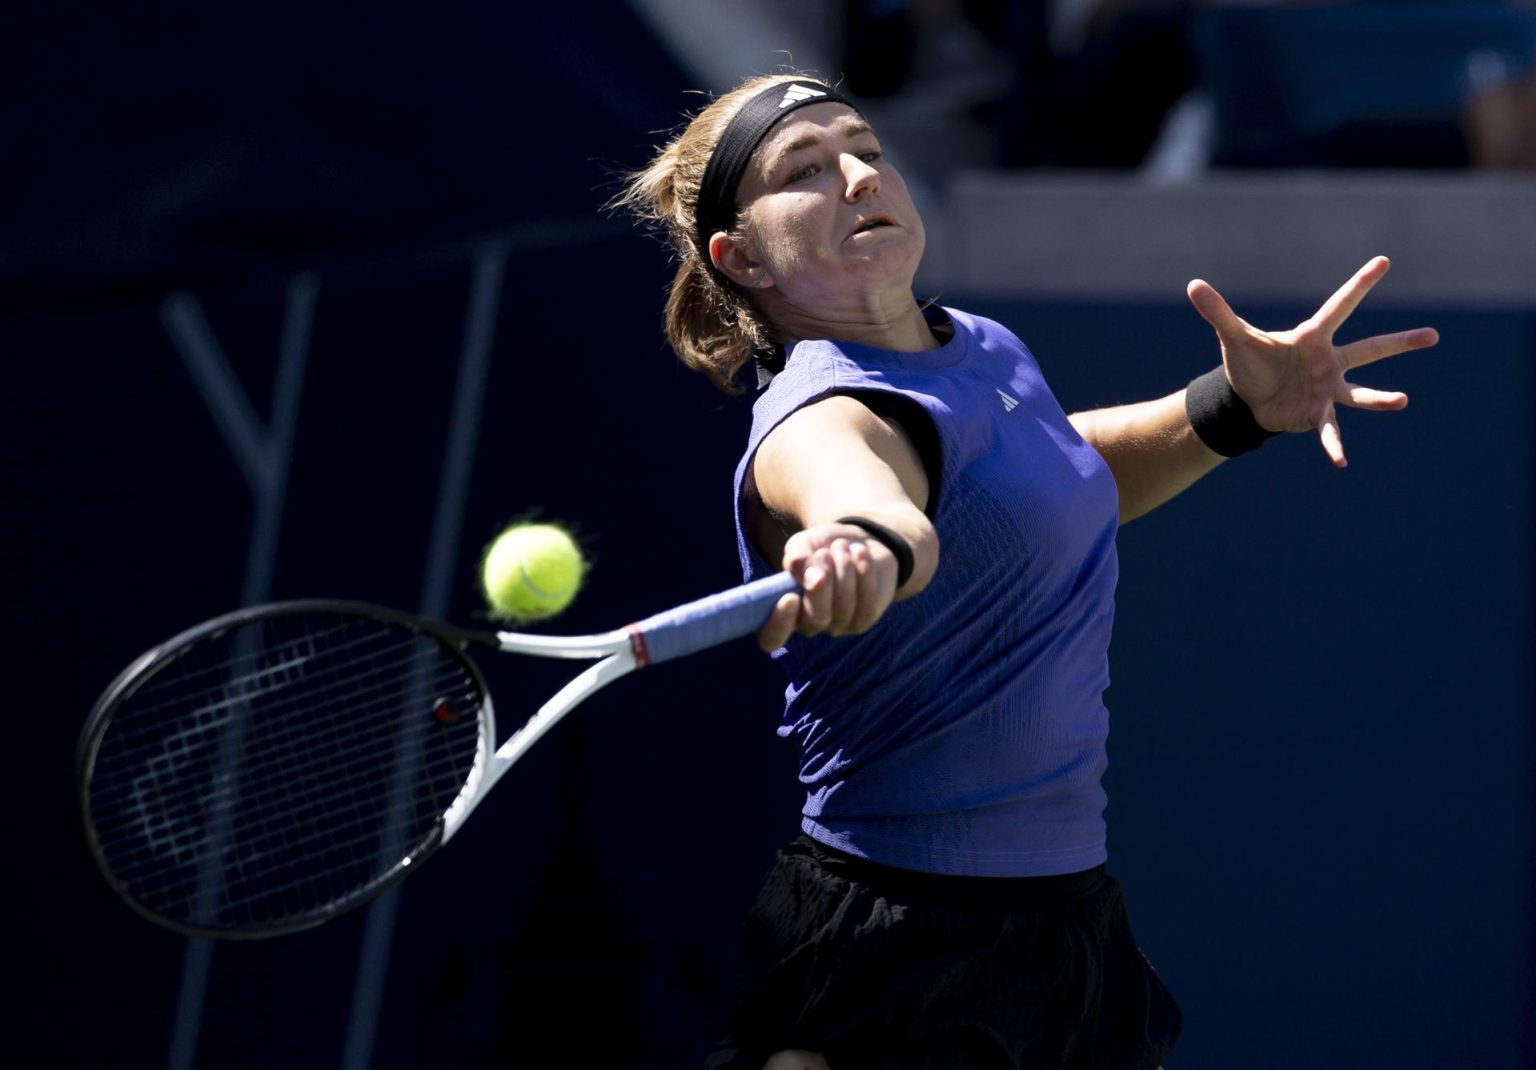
point(826, 213)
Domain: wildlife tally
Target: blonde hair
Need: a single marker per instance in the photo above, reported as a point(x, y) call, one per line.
point(713, 327)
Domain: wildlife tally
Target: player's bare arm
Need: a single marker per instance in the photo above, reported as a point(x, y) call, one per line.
point(827, 461)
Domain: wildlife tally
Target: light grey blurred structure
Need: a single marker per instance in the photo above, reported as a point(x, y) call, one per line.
point(1463, 239)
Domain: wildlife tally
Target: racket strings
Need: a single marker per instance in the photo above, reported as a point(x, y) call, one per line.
point(302, 759)
point(299, 791)
point(280, 769)
point(224, 682)
point(318, 748)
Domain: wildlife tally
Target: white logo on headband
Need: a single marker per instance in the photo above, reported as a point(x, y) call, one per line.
point(797, 93)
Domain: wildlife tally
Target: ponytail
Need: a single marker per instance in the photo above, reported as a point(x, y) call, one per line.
point(712, 327)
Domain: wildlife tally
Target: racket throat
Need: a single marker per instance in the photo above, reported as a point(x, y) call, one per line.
point(560, 703)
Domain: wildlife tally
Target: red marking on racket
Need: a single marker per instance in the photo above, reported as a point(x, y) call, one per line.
point(444, 712)
point(637, 646)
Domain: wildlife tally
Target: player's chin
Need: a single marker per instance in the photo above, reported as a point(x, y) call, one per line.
point(886, 263)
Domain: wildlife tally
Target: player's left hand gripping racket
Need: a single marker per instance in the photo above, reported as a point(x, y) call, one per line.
point(269, 769)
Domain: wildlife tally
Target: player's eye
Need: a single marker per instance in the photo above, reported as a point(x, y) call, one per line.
point(800, 174)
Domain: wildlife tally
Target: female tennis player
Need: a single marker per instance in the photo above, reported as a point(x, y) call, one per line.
point(947, 904)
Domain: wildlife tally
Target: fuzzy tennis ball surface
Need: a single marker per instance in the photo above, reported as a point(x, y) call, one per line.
point(531, 571)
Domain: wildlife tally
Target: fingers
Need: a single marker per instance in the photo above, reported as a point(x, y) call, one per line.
point(780, 624)
point(870, 601)
point(1368, 350)
point(1361, 397)
point(1214, 308)
point(843, 592)
point(832, 596)
point(1333, 444)
point(1347, 298)
point(1357, 397)
point(846, 584)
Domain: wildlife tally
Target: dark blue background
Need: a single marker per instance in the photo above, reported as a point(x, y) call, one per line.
point(1320, 789)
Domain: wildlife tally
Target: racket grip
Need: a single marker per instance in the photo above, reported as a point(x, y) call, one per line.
point(711, 621)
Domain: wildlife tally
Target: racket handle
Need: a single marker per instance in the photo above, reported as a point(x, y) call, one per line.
point(710, 621)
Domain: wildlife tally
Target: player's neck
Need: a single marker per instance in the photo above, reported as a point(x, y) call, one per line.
point(897, 326)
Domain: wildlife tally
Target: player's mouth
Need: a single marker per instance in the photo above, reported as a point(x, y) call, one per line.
point(869, 223)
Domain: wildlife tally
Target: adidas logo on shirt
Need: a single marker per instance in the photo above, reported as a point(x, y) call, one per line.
point(1009, 401)
point(797, 93)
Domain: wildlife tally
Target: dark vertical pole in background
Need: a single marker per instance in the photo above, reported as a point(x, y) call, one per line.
point(436, 587)
point(263, 455)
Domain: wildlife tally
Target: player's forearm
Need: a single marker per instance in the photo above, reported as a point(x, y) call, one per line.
point(1151, 449)
point(836, 459)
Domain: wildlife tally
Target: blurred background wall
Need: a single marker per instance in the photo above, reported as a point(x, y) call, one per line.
point(309, 300)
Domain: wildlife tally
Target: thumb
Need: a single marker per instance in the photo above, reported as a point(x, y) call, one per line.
point(1213, 307)
point(780, 624)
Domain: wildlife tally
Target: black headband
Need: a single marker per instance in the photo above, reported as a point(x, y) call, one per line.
point(743, 134)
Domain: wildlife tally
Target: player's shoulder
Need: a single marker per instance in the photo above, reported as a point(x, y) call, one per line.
point(981, 328)
point(813, 369)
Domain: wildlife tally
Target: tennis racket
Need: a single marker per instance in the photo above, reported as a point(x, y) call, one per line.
point(269, 769)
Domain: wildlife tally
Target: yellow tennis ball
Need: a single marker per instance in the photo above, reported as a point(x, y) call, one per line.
point(531, 571)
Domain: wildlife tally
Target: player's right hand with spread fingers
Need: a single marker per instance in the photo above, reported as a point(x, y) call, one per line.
point(847, 581)
point(1292, 380)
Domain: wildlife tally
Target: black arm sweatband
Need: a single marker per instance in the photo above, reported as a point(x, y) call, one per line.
point(1223, 420)
point(891, 541)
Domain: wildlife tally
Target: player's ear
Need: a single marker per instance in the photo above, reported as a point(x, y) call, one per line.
point(736, 262)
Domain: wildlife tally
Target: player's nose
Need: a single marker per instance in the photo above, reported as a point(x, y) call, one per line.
point(859, 175)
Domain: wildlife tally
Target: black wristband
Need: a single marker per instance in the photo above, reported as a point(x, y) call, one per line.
point(891, 541)
point(1223, 420)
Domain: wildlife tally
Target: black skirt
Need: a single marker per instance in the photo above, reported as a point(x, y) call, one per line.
point(880, 967)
